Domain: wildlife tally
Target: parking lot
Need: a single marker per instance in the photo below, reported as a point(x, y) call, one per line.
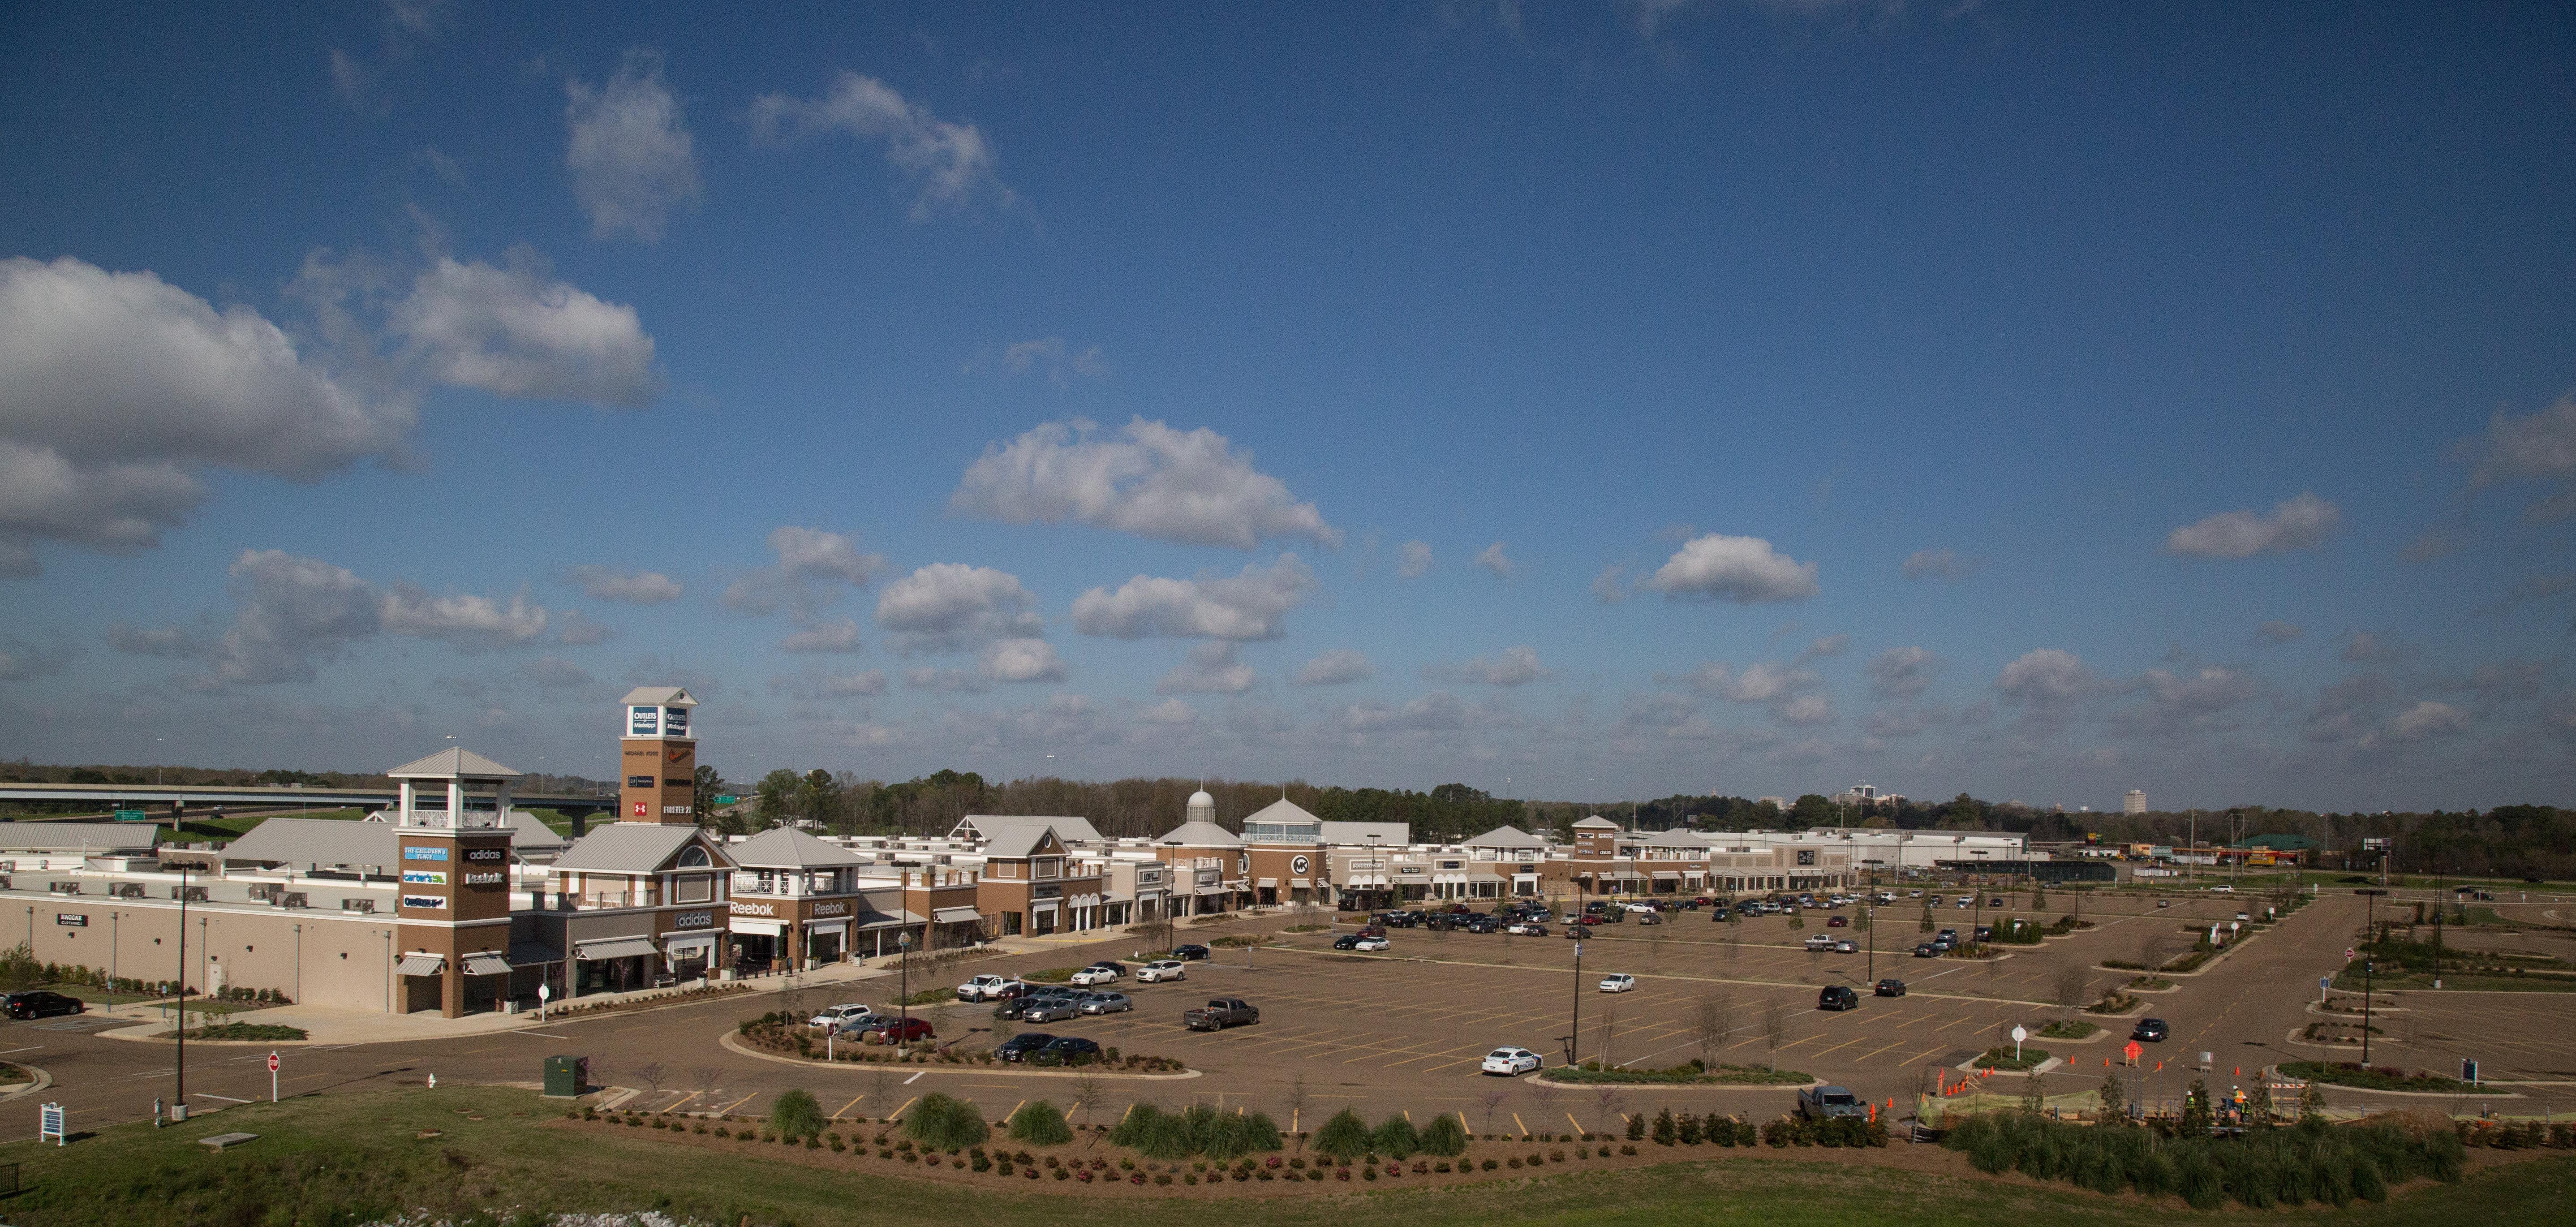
point(1403, 1030)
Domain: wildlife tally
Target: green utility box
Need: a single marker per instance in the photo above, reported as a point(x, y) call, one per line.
point(566, 1076)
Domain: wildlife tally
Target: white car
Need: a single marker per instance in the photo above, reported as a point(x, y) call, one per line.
point(1639, 908)
point(1525, 929)
point(1372, 943)
point(1618, 984)
point(1510, 1061)
point(1089, 976)
point(1819, 942)
point(2223, 890)
point(985, 988)
point(837, 1016)
point(1160, 970)
point(1846, 946)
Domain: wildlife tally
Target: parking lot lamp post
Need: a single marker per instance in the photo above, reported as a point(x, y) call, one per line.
point(1871, 926)
point(2365, 1011)
point(179, 1100)
point(1574, 1036)
point(903, 1003)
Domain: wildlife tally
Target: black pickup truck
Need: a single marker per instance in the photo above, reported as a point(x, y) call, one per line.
point(1219, 1014)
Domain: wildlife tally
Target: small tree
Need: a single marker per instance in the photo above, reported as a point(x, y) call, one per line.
point(1608, 1099)
point(1709, 1020)
point(2196, 1119)
point(2033, 1102)
point(797, 1115)
point(1667, 1130)
point(1492, 1102)
point(2038, 897)
point(2113, 1100)
point(2312, 1101)
point(1797, 918)
point(1925, 924)
point(2258, 1102)
point(1636, 1128)
point(2069, 989)
point(1296, 1100)
point(651, 1074)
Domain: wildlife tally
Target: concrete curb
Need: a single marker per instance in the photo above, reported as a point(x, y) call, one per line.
point(731, 1043)
point(1625, 1087)
point(39, 1079)
point(2050, 1065)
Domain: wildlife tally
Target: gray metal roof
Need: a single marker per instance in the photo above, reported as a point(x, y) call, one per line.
point(106, 837)
point(1506, 837)
point(659, 696)
point(317, 841)
point(1282, 810)
point(1018, 842)
point(1677, 839)
point(631, 847)
point(1200, 835)
point(789, 848)
point(991, 826)
point(1596, 823)
point(529, 834)
point(452, 762)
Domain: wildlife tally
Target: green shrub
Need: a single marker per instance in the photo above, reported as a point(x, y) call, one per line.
point(1040, 1124)
point(2307, 1162)
point(796, 1115)
point(943, 1122)
point(1445, 1136)
point(1397, 1138)
point(1345, 1136)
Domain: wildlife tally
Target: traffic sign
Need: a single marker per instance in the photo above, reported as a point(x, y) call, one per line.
point(2132, 1052)
point(2349, 954)
point(2019, 1033)
point(272, 1062)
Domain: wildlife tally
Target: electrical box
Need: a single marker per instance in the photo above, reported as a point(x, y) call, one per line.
point(566, 1076)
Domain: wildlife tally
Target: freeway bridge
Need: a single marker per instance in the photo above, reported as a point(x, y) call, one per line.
point(171, 803)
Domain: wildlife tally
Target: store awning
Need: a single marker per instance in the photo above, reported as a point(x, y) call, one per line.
point(532, 954)
point(420, 965)
point(485, 963)
point(955, 916)
point(1269, 884)
point(1668, 873)
point(613, 948)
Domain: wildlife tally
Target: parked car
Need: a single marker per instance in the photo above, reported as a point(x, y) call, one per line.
point(1847, 946)
point(1618, 983)
point(838, 1016)
point(2164, 903)
point(1018, 1047)
point(1190, 952)
point(1997, 901)
point(37, 1003)
point(2151, 1030)
point(1527, 928)
point(1818, 941)
point(985, 988)
point(1824, 1102)
point(1927, 950)
point(1985, 933)
point(1890, 987)
point(1371, 944)
point(1649, 918)
point(1066, 1050)
point(1347, 941)
point(1510, 1061)
point(1098, 974)
point(1107, 1003)
point(1838, 922)
point(1220, 1013)
point(2223, 890)
point(1947, 935)
point(1837, 997)
point(1160, 970)
point(897, 1031)
point(1053, 1009)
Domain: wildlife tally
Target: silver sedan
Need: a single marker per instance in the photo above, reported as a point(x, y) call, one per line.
point(1106, 1003)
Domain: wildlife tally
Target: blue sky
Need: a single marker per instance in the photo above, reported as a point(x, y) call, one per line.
point(1613, 399)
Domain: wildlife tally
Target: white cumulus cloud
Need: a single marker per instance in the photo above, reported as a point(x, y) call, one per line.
point(1337, 667)
point(2427, 720)
point(1413, 560)
point(811, 561)
point(1252, 605)
point(1933, 564)
point(629, 150)
point(1492, 558)
point(1745, 570)
point(1210, 668)
point(2295, 523)
point(1019, 660)
point(816, 684)
point(2047, 679)
point(293, 612)
point(949, 607)
point(1513, 666)
point(950, 164)
point(634, 587)
point(1901, 673)
point(1193, 487)
point(516, 331)
point(2540, 447)
point(834, 635)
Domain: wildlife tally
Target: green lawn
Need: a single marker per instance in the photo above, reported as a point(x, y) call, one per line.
point(358, 1157)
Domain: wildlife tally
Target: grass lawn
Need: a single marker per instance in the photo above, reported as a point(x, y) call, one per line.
point(357, 1157)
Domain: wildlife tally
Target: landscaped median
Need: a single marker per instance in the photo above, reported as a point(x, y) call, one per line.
point(2377, 1078)
point(787, 1037)
point(1689, 1073)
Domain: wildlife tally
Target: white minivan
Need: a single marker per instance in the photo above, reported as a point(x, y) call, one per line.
point(1160, 970)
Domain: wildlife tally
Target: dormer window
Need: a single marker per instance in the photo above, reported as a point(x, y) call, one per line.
point(693, 857)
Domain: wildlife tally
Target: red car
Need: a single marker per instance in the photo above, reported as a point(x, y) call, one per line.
point(1837, 922)
point(1592, 920)
point(897, 1031)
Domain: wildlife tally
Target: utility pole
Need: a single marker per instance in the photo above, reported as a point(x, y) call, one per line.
point(179, 1101)
point(1574, 1040)
point(2366, 969)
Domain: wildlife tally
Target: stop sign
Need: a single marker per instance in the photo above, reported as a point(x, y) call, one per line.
point(272, 1062)
point(2132, 1050)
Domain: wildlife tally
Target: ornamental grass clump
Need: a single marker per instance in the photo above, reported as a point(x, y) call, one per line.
point(1196, 1130)
point(1040, 1124)
point(1345, 1136)
point(1397, 1138)
point(1445, 1137)
point(796, 1115)
point(943, 1122)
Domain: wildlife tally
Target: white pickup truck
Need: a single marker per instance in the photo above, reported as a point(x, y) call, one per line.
point(989, 988)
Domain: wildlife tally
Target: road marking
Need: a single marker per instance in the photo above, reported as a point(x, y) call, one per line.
point(854, 1102)
point(906, 1104)
point(228, 1098)
point(543, 1035)
point(1578, 1125)
point(675, 1106)
point(28, 1048)
point(1516, 1119)
point(727, 1110)
point(915, 1078)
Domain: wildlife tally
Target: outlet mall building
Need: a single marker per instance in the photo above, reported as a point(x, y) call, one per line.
point(454, 901)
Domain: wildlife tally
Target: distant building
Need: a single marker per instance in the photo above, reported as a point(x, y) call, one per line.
point(2134, 801)
point(1864, 796)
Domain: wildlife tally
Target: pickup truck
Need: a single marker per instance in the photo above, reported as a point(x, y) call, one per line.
point(988, 988)
point(1825, 1102)
point(1219, 1014)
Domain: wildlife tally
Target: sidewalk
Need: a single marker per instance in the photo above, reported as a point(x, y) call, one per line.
point(325, 1025)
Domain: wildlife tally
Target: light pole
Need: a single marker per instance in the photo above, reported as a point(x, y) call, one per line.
point(903, 1004)
point(2365, 1011)
point(179, 1100)
point(1574, 1037)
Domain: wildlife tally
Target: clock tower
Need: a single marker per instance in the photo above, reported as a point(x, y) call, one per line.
point(658, 758)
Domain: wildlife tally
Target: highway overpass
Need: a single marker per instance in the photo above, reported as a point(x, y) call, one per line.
point(169, 803)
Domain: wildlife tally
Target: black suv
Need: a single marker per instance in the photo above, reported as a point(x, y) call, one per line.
point(1018, 1047)
point(37, 1003)
point(2151, 1030)
point(1837, 997)
point(1891, 987)
point(1189, 952)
